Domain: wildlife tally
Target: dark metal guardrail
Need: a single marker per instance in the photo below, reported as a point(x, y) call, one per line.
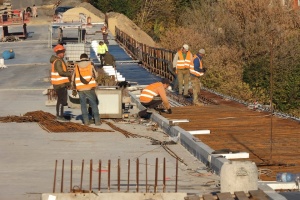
point(156, 60)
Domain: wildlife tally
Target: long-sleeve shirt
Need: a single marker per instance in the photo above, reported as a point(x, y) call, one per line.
point(102, 49)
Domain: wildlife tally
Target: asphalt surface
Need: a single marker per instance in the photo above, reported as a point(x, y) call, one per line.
point(28, 153)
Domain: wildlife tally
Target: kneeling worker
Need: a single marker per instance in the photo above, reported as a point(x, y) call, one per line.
point(84, 80)
point(153, 95)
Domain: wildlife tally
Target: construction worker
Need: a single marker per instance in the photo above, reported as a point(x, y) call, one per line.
point(84, 80)
point(109, 59)
point(104, 31)
point(182, 62)
point(60, 80)
point(196, 73)
point(153, 95)
point(34, 11)
point(101, 50)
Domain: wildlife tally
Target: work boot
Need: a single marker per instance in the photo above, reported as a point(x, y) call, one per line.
point(61, 119)
point(98, 124)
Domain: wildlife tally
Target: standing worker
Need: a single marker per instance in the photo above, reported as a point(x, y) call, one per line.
point(101, 50)
point(153, 95)
point(104, 31)
point(34, 11)
point(60, 80)
point(196, 73)
point(84, 80)
point(182, 62)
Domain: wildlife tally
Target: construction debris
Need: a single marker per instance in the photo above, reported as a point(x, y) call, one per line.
point(49, 123)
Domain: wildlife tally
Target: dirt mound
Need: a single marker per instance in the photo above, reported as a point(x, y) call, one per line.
point(46, 12)
point(73, 15)
point(129, 27)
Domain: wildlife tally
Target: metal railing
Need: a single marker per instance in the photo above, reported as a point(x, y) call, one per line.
point(156, 60)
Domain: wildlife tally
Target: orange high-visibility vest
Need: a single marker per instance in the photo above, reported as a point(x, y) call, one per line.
point(193, 71)
point(56, 79)
point(148, 93)
point(87, 74)
point(186, 63)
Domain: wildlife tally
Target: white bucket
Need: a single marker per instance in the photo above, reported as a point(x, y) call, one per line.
point(1, 61)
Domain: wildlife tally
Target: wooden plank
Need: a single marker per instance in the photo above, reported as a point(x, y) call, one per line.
point(225, 196)
point(258, 194)
point(208, 197)
point(241, 195)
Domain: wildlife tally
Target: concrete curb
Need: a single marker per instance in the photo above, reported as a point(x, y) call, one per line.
point(197, 148)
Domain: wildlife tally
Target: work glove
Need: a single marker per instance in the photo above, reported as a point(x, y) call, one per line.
point(74, 93)
point(202, 70)
point(169, 111)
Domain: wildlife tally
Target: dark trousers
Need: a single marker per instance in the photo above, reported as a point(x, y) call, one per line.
point(151, 104)
point(102, 58)
point(62, 97)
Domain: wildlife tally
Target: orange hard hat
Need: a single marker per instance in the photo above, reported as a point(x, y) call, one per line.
point(59, 48)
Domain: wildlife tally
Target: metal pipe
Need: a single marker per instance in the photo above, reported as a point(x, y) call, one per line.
point(119, 174)
point(99, 176)
point(146, 175)
point(108, 178)
point(176, 177)
point(137, 175)
point(156, 175)
point(71, 175)
point(91, 171)
point(164, 175)
point(62, 177)
point(55, 168)
point(82, 167)
point(128, 175)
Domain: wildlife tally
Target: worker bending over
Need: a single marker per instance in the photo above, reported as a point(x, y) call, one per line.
point(153, 95)
point(84, 80)
point(60, 80)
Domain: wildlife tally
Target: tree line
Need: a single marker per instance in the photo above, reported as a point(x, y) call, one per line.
point(253, 50)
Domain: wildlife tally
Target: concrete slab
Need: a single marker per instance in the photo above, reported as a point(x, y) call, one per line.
point(28, 153)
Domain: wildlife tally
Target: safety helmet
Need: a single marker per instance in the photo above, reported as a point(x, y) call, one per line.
point(59, 49)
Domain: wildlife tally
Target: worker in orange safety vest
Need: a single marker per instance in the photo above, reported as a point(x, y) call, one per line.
point(152, 96)
point(60, 79)
point(182, 63)
point(84, 79)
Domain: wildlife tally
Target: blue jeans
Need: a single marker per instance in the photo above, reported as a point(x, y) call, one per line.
point(91, 96)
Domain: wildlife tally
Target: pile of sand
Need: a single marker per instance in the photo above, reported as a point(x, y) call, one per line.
point(46, 12)
point(72, 15)
point(127, 26)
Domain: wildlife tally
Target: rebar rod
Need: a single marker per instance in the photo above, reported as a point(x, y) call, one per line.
point(55, 169)
point(91, 174)
point(99, 176)
point(71, 175)
point(146, 175)
point(176, 176)
point(81, 179)
point(128, 175)
point(164, 175)
point(108, 178)
point(119, 174)
point(62, 177)
point(137, 175)
point(156, 175)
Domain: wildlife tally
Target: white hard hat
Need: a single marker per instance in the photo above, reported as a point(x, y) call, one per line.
point(202, 51)
point(186, 47)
